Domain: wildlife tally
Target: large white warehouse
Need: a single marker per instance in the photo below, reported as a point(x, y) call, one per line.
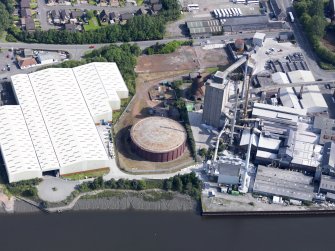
point(53, 127)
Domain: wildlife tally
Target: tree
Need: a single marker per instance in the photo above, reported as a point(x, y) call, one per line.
point(167, 184)
point(305, 19)
point(316, 26)
point(203, 152)
point(111, 184)
point(97, 183)
point(316, 8)
point(141, 185)
point(177, 184)
point(121, 184)
point(301, 7)
point(5, 19)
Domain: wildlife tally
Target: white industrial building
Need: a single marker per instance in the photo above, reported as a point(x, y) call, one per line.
point(258, 39)
point(280, 78)
point(311, 97)
point(287, 95)
point(46, 58)
point(56, 116)
point(16, 146)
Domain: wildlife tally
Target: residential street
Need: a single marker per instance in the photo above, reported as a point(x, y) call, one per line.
point(43, 9)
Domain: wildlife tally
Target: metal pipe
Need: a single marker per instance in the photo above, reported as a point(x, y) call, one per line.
point(235, 114)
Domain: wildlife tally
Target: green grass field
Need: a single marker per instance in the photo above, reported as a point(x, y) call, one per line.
point(93, 24)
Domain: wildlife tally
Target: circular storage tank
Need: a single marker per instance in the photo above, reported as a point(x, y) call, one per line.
point(158, 139)
point(239, 44)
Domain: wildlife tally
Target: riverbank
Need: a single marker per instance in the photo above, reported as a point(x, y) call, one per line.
point(149, 200)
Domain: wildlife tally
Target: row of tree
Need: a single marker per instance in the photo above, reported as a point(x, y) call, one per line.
point(6, 11)
point(311, 16)
point(166, 48)
point(139, 28)
point(187, 184)
point(180, 104)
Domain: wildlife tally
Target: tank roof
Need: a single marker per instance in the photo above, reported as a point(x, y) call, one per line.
point(158, 134)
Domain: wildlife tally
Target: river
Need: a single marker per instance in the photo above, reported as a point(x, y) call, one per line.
point(160, 231)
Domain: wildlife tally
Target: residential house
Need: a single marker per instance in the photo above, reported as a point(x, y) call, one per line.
point(126, 16)
point(70, 27)
point(279, 12)
point(153, 1)
point(103, 17)
point(30, 24)
point(23, 23)
point(55, 17)
point(27, 63)
point(25, 12)
point(157, 7)
point(77, 14)
point(141, 11)
point(113, 16)
point(25, 4)
point(104, 2)
point(64, 15)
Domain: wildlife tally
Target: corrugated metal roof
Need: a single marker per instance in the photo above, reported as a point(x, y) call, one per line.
point(275, 181)
point(288, 98)
point(268, 143)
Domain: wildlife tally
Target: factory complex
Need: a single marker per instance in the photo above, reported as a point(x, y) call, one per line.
point(54, 126)
point(276, 124)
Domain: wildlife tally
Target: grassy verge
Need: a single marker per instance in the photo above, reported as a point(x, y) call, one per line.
point(118, 113)
point(25, 188)
point(187, 184)
point(149, 195)
point(105, 194)
point(88, 174)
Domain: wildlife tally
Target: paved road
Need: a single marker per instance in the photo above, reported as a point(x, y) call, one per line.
point(77, 51)
point(54, 189)
point(42, 15)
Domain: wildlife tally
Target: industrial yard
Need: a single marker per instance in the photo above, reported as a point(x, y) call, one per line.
point(260, 131)
point(185, 58)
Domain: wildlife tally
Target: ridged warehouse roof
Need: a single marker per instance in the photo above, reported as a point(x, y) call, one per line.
point(16, 145)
